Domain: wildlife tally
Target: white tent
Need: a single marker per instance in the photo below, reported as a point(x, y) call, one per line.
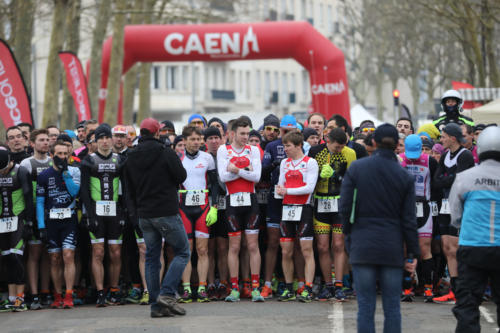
point(488, 113)
point(359, 113)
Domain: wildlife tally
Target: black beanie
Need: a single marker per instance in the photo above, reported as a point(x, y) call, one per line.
point(104, 130)
point(211, 131)
point(272, 120)
point(308, 132)
point(4, 158)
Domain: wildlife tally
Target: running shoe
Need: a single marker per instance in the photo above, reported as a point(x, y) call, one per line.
point(222, 292)
point(339, 295)
point(266, 292)
point(76, 299)
point(58, 302)
point(145, 298)
point(348, 291)
point(46, 299)
point(134, 296)
point(407, 295)
point(20, 305)
point(35, 303)
point(113, 297)
point(68, 301)
point(300, 290)
point(256, 296)
point(186, 296)
point(287, 296)
point(428, 295)
point(202, 295)
point(101, 299)
point(246, 292)
point(325, 294)
point(305, 296)
point(212, 293)
point(6, 306)
point(446, 299)
point(234, 296)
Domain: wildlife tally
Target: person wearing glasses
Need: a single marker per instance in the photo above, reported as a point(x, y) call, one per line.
point(270, 130)
point(53, 134)
point(15, 142)
point(197, 120)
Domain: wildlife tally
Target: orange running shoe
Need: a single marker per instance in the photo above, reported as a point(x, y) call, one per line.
point(68, 301)
point(407, 296)
point(299, 290)
point(446, 299)
point(58, 301)
point(266, 292)
point(428, 294)
point(246, 292)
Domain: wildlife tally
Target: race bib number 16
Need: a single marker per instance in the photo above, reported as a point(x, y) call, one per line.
point(105, 208)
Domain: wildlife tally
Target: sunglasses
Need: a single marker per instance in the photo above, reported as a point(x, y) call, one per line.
point(368, 129)
point(197, 122)
point(270, 128)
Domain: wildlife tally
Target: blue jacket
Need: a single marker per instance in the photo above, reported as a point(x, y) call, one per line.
point(384, 213)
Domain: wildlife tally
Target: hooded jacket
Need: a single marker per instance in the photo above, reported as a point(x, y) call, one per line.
point(153, 174)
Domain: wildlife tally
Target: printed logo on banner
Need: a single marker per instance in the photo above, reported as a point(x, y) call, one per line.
point(217, 45)
point(328, 88)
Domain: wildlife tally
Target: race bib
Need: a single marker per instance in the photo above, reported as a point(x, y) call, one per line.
point(240, 199)
point(291, 213)
point(420, 209)
point(445, 207)
point(60, 213)
point(262, 196)
point(8, 224)
point(221, 202)
point(195, 198)
point(434, 208)
point(276, 195)
point(328, 205)
point(105, 208)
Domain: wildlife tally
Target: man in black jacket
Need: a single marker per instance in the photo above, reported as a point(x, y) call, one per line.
point(153, 173)
point(377, 208)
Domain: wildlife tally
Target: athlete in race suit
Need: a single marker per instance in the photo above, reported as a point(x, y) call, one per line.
point(239, 167)
point(455, 160)
point(57, 189)
point(100, 189)
point(273, 155)
point(16, 216)
point(35, 164)
point(422, 167)
point(195, 207)
point(333, 158)
point(298, 176)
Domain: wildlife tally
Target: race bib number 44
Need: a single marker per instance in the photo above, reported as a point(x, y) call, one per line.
point(105, 208)
point(8, 224)
point(328, 205)
point(60, 213)
point(195, 198)
point(292, 213)
point(240, 199)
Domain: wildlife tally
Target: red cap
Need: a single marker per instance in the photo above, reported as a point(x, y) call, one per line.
point(150, 124)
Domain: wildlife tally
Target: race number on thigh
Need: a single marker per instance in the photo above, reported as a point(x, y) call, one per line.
point(240, 199)
point(434, 208)
point(105, 208)
point(328, 205)
point(195, 198)
point(60, 213)
point(291, 213)
point(262, 196)
point(8, 224)
point(221, 202)
point(445, 207)
point(420, 209)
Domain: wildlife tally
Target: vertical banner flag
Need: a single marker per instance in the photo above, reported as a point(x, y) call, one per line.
point(77, 85)
point(15, 106)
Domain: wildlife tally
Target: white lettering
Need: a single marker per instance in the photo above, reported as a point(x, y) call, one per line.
point(328, 88)
point(212, 43)
point(193, 44)
point(168, 43)
point(250, 37)
point(73, 70)
point(228, 43)
point(10, 101)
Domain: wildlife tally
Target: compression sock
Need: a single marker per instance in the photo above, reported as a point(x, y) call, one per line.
point(186, 286)
point(338, 284)
point(268, 284)
point(289, 286)
point(234, 283)
point(255, 281)
point(427, 267)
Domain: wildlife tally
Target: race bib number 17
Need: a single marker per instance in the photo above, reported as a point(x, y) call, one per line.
point(8, 224)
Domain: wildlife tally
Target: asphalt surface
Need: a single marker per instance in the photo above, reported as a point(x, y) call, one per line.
point(245, 316)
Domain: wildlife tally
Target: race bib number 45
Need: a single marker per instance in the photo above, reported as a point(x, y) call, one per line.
point(8, 224)
point(60, 213)
point(292, 213)
point(240, 199)
point(195, 198)
point(105, 208)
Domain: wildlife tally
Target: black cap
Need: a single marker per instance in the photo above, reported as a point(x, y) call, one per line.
point(455, 130)
point(167, 124)
point(427, 143)
point(479, 127)
point(386, 131)
point(104, 130)
point(255, 133)
point(211, 131)
point(307, 132)
point(272, 120)
point(81, 124)
point(217, 120)
point(4, 158)
point(64, 137)
point(178, 139)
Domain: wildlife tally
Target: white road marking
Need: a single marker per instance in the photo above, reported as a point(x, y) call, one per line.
point(486, 314)
point(337, 318)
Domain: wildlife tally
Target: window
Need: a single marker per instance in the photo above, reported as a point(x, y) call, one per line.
point(155, 77)
point(267, 87)
point(284, 89)
point(329, 18)
point(232, 80)
point(305, 85)
point(185, 78)
point(224, 79)
point(247, 85)
point(321, 14)
point(303, 13)
point(213, 78)
point(240, 82)
point(196, 78)
point(292, 83)
point(276, 81)
point(206, 80)
point(257, 83)
point(310, 12)
point(172, 78)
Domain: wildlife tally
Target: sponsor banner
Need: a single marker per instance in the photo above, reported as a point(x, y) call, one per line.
point(77, 85)
point(15, 106)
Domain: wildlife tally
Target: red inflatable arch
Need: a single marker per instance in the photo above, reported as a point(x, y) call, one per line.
point(244, 41)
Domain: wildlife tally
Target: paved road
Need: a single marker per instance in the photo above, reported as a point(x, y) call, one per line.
point(271, 316)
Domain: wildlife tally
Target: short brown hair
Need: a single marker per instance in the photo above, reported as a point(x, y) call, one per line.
point(37, 132)
point(240, 122)
point(57, 143)
point(294, 137)
point(190, 129)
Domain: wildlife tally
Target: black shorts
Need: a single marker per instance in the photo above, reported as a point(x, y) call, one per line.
point(12, 242)
point(109, 228)
point(302, 229)
point(243, 218)
point(61, 234)
point(444, 224)
point(219, 229)
point(274, 209)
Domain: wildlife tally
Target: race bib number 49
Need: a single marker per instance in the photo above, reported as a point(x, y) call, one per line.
point(60, 213)
point(105, 208)
point(240, 199)
point(195, 198)
point(292, 213)
point(328, 205)
point(8, 224)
